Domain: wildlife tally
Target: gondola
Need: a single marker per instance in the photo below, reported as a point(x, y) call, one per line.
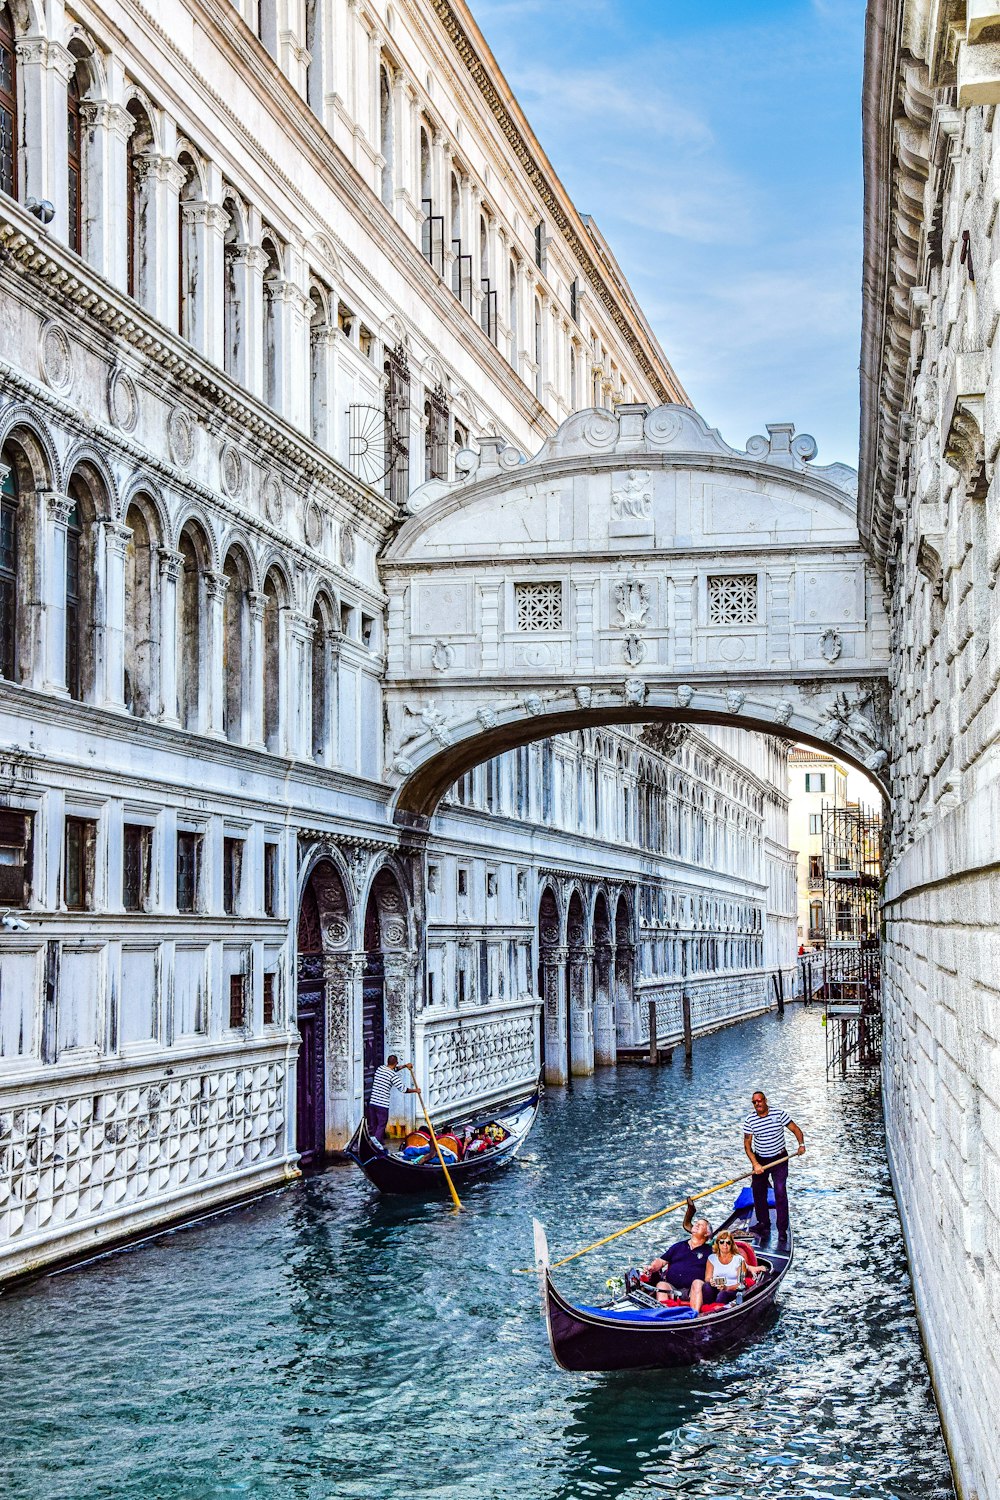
point(627, 1333)
point(392, 1174)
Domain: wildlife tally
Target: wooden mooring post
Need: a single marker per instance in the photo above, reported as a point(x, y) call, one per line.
point(654, 1054)
point(778, 980)
point(686, 1013)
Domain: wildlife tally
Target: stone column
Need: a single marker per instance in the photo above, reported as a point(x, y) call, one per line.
point(554, 997)
point(214, 687)
point(581, 968)
point(107, 128)
point(109, 632)
point(171, 568)
point(159, 180)
point(303, 639)
point(48, 633)
point(290, 322)
point(624, 974)
point(323, 413)
point(43, 71)
point(255, 667)
point(342, 974)
point(246, 266)
point(204, 228)
point(605, 1049)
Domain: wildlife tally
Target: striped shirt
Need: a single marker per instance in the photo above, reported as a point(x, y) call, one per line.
point(386, 1079)
point(768, 1131)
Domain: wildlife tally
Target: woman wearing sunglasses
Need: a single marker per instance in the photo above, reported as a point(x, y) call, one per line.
point(726, 1270)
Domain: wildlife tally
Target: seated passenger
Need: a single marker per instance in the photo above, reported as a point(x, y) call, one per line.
point(680, 1271)
point(726, 1272)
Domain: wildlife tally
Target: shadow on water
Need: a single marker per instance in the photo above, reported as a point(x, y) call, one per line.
point(326, 1344)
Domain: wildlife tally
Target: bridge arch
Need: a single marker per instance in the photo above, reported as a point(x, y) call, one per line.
point(638, 569)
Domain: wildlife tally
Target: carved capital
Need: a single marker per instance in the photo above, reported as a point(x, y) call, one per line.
point(171, 563)
point(58, 507)
point(116, 537)
point(216, 584)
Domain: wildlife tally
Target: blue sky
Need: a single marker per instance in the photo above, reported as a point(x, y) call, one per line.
point(717, 144)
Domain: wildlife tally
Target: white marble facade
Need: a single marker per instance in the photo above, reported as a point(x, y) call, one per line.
point(929, 505)
point(247, 311)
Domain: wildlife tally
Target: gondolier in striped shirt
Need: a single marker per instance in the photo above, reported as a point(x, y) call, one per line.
point(764, 1143)
point(387, 1078)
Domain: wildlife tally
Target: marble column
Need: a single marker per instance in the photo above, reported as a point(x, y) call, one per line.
point(255, 667)
point(109, 663)
point(580, 996)
point(159, 180)
point(605, 1049)
point(213, 684)
point(49, 631)
point(171, 568)
point(553, 963)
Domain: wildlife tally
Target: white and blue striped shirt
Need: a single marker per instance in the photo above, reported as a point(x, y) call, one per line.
point(768, 1131)
point(386, 1079)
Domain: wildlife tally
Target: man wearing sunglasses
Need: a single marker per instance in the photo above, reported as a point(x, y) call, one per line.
point(764, 1143)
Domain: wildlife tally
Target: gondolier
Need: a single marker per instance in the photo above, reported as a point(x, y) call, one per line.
point(379, 1100)
point(764, 1144)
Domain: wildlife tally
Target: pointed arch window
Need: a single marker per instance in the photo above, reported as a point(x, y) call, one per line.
point(8, 575)
point(8, 105)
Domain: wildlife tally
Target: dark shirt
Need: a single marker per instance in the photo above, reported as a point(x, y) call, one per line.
point(684, 1265)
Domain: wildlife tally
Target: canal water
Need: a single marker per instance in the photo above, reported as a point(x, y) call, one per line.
point(323, 1344)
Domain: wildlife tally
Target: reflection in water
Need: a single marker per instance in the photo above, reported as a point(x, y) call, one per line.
point(325, 1344)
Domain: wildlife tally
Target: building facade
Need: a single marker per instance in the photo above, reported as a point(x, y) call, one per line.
point(815, 781)
point(929, 504)
point(265, 270)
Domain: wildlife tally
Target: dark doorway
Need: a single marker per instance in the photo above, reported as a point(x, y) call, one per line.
point(373, 997)
point(310, 1113)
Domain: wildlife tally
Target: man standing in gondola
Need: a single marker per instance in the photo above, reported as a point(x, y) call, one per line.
point(387, 1078)
point(764, 1144)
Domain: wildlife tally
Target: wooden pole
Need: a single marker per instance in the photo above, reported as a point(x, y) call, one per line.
point(686, 1014)
point(654, 1055)
point(434, 1140)
point(640, 1223)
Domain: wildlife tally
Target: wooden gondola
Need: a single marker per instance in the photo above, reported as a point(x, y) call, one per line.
point(392, 1174)
point(627, 1333)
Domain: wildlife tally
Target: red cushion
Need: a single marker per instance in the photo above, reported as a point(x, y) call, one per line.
point(748, 1253)
point(712, 1306)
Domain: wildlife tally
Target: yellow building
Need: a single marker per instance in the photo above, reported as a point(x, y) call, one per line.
point(815, 781)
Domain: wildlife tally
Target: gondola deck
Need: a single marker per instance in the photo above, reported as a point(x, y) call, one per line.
point(624, 1335)
point(392, 1174)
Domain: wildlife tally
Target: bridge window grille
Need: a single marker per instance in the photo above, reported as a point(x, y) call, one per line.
point(732, 599)
point(539, 606)
point(397, 424)
point(436, 417)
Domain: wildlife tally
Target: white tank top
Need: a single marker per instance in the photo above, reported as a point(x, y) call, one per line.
point(730, 1273)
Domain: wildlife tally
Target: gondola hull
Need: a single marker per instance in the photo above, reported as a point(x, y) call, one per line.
point(619, 1338)
point(391, 1174)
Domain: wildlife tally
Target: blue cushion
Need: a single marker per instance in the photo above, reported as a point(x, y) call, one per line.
point(643, 1314)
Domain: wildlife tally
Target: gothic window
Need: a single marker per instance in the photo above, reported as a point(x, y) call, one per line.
point(314, 70)
point(539, 606)
point(456, 236)
point(8, 576)
point(732, 599)
point(8, 105)
point(140, 622)
point(74, 162)
point(136, 865)
point(386, 136)
point(540, 245)
point(271, 636)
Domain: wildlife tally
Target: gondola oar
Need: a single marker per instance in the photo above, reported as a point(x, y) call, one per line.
point(434, 1140)
point(671, 1208)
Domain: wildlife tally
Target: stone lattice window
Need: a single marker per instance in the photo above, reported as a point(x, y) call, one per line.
point(732, 599)
point(539, 606)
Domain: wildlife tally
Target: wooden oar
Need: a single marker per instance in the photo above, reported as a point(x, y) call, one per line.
point(447, 1175)
point(671, 1208)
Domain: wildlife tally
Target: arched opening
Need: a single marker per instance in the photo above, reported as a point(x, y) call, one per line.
point(24, 472)
point(550, 986)
point(236, 638)
point(194, 555)
point(140, 611)
point(386, 136)
point(321, 670)
point(605, 1050)
point(89, 502)
point(624, 973)
point(140, 274)
point(579, 1018)
point(188, 269)
point(384, 1021)
point(9, 508)
point(9, 142)
point(321, 995)
point(74, 158)
point(273, 594)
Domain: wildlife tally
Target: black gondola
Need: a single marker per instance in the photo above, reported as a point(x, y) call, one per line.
point(392, 1174)
point(628, 1334)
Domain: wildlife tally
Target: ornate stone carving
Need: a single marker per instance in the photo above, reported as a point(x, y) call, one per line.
point(123, 401)
point(312, 524)
point(684, 694)
point(634, 649)
point(442, 656)
point(632, 603)
point(635, 691)
point(584, 696)
point(55, 356)
point(634, 500)
point(830, 645)
point(487, 717)
point(348, 547)
point(533, 703)
point(856, 721)
point(231, 471)
point(783, 712)
point(180, 437)
point(273, 500)
point(433, 721)
point(403, 765)
point(735, 700)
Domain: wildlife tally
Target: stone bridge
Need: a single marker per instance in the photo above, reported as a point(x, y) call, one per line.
point(637, 568)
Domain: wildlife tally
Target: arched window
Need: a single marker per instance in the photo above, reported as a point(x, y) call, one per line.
point(8, 105)
point(271, 638)
point(322, 621)
point(136, 212)
point(190, 616)
point(79, 596)
point(386, 136)
point(74, 162)
point(235, 646)
point(272, 351)
point(8, 575)
point(140, 616)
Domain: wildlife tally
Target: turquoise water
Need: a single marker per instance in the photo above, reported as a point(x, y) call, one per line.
point(325, 1344)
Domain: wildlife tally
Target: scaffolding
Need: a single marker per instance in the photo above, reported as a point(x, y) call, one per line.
point(852, 992)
